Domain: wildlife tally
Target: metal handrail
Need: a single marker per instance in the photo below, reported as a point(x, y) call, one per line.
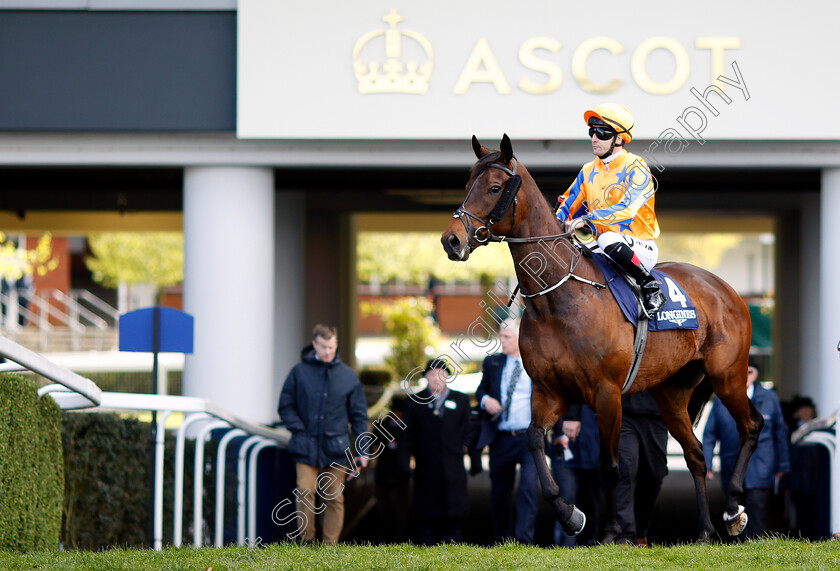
point(220, 482)
point(168, 404)
point(101, 305)
point(10, 300)
point(241, 487)
point(81, 387)
point(46, 309)
point(826, 432)
point(198, 480)
point(252, 488)
point(74, 307)
point(73, 391)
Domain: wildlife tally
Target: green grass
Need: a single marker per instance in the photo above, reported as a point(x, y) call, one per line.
point(775, 553)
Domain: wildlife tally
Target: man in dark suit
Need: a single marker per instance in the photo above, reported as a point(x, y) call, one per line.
point(436, 422)
point(505, 394)
point(642, 466)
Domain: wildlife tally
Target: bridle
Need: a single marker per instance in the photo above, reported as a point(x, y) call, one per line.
point(483, 235)
point(507, 199)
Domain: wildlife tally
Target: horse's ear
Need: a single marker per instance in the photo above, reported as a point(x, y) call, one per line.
point(479, 149)
point(506, 148)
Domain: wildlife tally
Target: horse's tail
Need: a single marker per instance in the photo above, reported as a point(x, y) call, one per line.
point(698, 400)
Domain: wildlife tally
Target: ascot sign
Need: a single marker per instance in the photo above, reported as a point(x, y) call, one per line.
point(340, 70)
point(392, 74)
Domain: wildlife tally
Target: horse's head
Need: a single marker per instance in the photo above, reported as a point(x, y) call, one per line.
point(490, 202)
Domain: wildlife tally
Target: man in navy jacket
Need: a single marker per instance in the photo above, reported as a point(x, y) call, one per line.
point(768, 463)
point(505, 395)
point(320, 399)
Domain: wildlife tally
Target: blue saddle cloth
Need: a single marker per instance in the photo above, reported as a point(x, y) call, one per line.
point(677, 313)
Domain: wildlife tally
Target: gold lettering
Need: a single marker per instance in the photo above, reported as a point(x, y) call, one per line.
point(492, 73)
point(531, 61)
point(579, 63)
point(717, 45)
point(640, 56)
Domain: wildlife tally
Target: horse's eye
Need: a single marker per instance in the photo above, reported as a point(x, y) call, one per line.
point(495, 189)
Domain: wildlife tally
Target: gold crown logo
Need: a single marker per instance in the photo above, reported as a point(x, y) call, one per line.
point(393, 76)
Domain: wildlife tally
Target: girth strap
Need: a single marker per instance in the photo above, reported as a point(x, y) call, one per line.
point(639, 344)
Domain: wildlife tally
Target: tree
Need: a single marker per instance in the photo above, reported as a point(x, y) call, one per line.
point(135, 261)
point(16, 262)
point(408, 321)
point(410, 257)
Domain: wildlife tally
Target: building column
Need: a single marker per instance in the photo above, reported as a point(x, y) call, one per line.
point(331, 282)
point(829, 277)
point(229, 288)
point(809, 346)
point(290, 333)
point(788, 314)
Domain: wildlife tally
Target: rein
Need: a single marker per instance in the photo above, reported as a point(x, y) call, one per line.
point(506, 200)
point(564, 279)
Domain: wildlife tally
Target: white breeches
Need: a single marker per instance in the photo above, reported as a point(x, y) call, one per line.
point(646, 250)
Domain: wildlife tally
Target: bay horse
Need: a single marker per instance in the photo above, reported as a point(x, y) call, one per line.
point(577, 347)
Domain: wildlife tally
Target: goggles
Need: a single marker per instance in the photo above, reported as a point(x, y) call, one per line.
point(603, 133)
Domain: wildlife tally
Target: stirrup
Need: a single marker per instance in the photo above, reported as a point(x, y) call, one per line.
point(654, 302)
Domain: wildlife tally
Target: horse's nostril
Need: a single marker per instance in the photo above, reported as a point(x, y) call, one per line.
point(454, 242)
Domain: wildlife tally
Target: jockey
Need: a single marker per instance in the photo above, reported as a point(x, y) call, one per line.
point(615, 194)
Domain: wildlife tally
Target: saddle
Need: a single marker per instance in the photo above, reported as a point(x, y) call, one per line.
point(628, 295)
point(677, 313)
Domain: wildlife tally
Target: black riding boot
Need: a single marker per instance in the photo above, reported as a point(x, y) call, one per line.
point(624, 256)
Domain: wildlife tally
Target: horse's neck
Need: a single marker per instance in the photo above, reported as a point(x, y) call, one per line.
point(544, 263)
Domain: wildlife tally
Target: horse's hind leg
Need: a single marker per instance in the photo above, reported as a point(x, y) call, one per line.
point(672, 396)
point(733, 396)
point(545, 410)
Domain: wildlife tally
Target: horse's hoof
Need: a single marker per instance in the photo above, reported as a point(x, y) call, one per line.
point(576, 523)
point(610, 538)
point(736, 522)
point(705, 536)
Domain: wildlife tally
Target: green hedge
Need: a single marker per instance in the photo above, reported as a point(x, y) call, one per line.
point(31, 467)
point(107, 463)
point(106, 467)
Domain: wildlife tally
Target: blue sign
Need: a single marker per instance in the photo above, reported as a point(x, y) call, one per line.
point(174, 331)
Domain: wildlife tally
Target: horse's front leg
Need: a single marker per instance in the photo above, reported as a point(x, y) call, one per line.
point(608, 408)
point(545, 410)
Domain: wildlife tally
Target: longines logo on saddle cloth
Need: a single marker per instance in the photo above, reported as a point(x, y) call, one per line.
point(677, 313)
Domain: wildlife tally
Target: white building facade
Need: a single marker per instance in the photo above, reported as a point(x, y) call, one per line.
point(280, 121)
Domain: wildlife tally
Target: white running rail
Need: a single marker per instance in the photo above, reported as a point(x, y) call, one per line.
point(75, 392)
point(825, 432)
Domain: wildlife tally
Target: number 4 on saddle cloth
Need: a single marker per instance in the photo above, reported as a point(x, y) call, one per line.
point(677, 313)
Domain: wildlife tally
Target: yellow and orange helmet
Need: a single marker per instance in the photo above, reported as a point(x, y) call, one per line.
point(616, 116)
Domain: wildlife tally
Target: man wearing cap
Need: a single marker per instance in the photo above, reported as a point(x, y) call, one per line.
point(505, 394)
point(769, 462)
point(614, 193)
point(435, 426)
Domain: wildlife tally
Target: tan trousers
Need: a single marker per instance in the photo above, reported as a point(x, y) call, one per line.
point(329, 492)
